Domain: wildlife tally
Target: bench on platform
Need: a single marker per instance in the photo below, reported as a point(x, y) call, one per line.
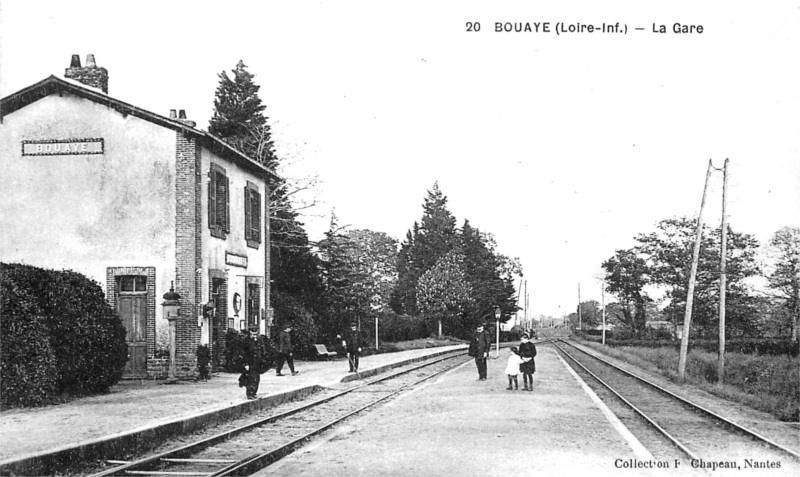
point(322, 352)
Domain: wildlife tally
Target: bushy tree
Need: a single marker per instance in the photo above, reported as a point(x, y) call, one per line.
point(429, 241)
point(341, 302)
point(591, 314)
point(626, 275)
point(403, 296)
point(490, 275)
point(85, 335)
point(28, 370)
point(668, 252)
point(372, 259)
point(444, 295)
point(783, 277)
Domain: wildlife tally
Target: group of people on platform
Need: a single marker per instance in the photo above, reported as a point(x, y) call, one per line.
point(520, 360)
point(255, 362)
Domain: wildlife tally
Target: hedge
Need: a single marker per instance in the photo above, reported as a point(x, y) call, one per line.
point(86, 338)
point(27, 363)
point(758, 346)
point(393, 327)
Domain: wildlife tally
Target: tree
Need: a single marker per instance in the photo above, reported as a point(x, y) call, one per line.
point(372, 257)
point(432, 239)
point(239, 120)
point(668, 253)
point(490, 275)
point(783, 249)
point(444, 294)
point(340, 303)
point(360, 273)
point(438, 234)
point(239, 116)
point(591, 314)
point(403, 296)
point(626, 274)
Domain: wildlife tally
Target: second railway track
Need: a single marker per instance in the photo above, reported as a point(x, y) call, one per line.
point(671, 427)
point(248, 447)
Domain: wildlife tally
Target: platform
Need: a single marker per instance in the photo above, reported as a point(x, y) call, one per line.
point(457, 425)
point(135, 411)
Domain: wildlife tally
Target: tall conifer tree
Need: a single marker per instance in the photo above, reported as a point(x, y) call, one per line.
point(239, 116)
point(240, 121)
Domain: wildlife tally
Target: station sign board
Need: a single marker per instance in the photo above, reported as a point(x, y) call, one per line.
point(63, 147)
point(235, 260)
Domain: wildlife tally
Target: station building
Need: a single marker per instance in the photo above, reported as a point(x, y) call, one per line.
point(140, 203)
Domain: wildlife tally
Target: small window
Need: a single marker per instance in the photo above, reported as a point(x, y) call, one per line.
point(132, 283)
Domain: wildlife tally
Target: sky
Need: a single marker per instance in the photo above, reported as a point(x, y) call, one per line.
point(564, 146)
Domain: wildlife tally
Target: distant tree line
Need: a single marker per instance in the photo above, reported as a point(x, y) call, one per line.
point(660, 264)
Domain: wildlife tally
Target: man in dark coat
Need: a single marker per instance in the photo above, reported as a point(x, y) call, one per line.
point(479, 349)
point(527, 351)
point(351, 342)
point(285, 351)
point(253, 361)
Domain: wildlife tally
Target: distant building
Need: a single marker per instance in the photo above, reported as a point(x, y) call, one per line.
point(136, 201)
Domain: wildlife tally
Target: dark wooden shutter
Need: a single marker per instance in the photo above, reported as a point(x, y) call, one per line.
point(212, 199)
point(221, 202)
point(227, 205)
point(247, 214)
point(256, 217)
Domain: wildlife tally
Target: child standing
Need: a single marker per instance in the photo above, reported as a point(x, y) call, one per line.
point(512, 369)
point(527, 351)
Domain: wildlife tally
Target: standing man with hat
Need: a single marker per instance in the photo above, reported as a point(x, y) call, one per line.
point(253, 365)
point(285, 351)
point(479, 349)
point(352, 345)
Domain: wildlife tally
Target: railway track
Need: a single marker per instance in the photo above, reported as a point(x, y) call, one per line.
point(254, 445)
point(675, 428)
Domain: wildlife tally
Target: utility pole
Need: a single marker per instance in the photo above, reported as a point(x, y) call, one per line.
point(604, 311)
point(687, 317)
point(525, 301)
point(580, 319)
point(722, 271)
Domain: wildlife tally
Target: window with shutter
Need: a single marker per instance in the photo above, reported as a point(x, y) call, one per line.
point(218, 199)
point(256, 216)
point(212, 199)
point(227, 205)
point(252, 214)
point(247, 213)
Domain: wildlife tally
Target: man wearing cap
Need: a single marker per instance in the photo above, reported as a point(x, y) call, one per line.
point(285, 351)
point(479, 349)
point(253, 365)
point(352, 345)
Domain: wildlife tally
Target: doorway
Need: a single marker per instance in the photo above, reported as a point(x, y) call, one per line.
point(132, 309)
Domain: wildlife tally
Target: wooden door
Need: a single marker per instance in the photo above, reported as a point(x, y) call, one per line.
point(133, 312)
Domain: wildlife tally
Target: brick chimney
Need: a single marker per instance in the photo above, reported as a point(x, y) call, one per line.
point(182, 117)
point(90, 75)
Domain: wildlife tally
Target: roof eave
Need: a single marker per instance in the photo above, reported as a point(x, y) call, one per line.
point(53, 84)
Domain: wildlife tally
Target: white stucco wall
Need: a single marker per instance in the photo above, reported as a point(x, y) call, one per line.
point(214, 249)
point(88, 212)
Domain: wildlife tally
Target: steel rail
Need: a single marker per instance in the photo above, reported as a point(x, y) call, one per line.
point(638, 411)
point(260, 461)
point(724, 420)
point(194, 447)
